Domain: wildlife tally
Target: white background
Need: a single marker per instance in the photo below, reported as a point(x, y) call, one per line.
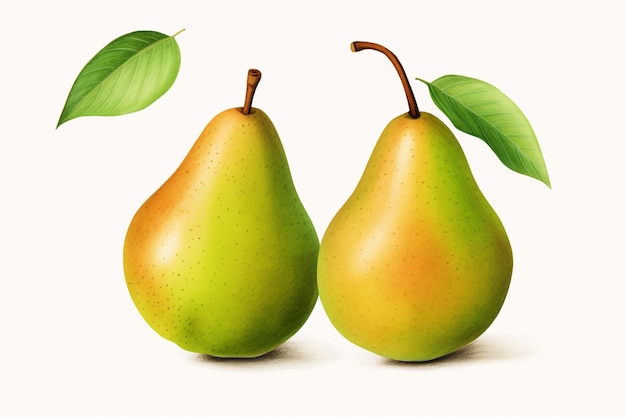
point(72, 342)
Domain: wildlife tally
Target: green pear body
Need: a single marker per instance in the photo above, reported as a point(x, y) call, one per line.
point(221, 259)
point(416, 264)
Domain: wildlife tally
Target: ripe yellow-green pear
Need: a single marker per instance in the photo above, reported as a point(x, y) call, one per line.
point(416, 264)
point(221, 259)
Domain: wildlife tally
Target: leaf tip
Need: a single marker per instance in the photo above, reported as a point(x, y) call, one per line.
point(422, 80)
point(64, 117)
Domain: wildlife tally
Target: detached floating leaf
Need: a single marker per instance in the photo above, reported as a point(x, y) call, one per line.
point(126, 76)
point(480, 109)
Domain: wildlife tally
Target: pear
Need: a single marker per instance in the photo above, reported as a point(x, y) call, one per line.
point(221, 259)
point(416, 263)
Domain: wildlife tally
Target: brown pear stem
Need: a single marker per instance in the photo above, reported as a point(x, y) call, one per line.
point(359, 46)
point(254, 77)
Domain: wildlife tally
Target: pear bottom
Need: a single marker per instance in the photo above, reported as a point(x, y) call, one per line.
point(392, 326)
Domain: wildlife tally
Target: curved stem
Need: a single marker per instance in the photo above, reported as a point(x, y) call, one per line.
point(254, 77)
point(359, 46)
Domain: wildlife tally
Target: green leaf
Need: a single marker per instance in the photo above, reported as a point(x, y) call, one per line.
point(480, 109)
point(126, 76)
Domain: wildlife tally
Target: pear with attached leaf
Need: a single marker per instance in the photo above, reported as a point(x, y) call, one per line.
point(221, 259)
point(416, 264)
